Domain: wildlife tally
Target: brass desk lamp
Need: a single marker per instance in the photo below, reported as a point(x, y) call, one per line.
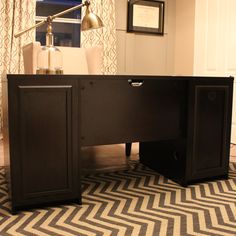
point(50, 57)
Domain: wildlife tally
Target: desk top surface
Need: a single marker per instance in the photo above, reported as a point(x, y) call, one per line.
point(108, 77)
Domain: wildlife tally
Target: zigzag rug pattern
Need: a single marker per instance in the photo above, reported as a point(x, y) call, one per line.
point(133, 202)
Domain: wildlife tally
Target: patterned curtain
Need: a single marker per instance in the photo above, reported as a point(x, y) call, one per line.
point(15, 15)
point(106, 36)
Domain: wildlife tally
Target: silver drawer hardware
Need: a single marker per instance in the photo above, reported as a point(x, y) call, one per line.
point(135, 83)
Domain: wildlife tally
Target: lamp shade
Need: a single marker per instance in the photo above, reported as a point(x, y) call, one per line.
point(91, 21)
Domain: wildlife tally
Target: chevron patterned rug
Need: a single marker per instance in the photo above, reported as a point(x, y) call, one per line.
point(133, 202)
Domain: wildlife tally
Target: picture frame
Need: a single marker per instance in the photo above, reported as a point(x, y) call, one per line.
point(146, 16)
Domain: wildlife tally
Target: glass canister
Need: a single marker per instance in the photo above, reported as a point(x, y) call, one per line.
point(50, 57)
point(49, 61)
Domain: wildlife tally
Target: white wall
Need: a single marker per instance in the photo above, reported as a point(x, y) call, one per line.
point(145, 53)
point(206, 41)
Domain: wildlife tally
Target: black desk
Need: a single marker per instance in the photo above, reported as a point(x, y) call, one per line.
point(182, 123)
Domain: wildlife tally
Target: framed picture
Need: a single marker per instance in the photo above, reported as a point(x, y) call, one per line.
point(146, 16)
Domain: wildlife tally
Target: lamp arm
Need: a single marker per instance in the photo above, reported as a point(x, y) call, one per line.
point(50, 18)
point(68, 10)
point(30, 28)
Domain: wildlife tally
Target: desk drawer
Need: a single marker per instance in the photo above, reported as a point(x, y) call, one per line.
point(115, 111)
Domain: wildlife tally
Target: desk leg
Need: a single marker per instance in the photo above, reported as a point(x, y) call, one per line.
point(128, 147)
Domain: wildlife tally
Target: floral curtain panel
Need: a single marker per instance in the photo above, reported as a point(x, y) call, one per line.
point(15, 15)
point(106, 36)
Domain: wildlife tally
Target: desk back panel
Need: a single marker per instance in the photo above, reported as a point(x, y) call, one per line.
point(114, 111)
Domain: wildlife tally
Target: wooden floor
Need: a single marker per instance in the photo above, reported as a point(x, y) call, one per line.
point(233, 152)
point(1, 151)
point(110, 157)
point(107, 158)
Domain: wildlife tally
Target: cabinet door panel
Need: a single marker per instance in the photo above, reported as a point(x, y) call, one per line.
point(43, 133)
point(45, 117)
point(210, 131)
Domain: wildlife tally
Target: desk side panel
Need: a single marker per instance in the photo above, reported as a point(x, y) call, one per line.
point(44, 141)
point(6, 134)
point(209, 128)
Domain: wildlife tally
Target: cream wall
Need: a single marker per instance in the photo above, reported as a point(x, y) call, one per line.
point(171, 54)
point(145, 53)
point(184, 37)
